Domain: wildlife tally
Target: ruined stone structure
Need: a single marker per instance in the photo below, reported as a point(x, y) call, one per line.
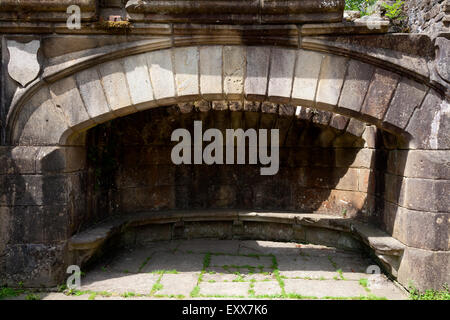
point(86, 117)
point(428, 16)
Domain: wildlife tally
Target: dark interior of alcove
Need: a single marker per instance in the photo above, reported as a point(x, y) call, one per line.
point(130, 168)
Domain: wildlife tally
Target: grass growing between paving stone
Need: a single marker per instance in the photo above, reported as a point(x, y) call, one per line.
point(251, 290)
point(131, 295)
point(158, 286)
point(277, 275)
point(6, 292)
point(365, 284)
point(338, 270)
point(206, 262)
point(443, 294)
point(32, 296)
point(144, 264)
point(92, 294)
point(171, 296)
point(240, 278)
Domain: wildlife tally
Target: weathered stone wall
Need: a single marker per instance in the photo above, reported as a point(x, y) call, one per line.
point(392, 81)
point(427, 16)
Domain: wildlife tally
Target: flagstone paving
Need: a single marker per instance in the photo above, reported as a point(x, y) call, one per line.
point(211, 269)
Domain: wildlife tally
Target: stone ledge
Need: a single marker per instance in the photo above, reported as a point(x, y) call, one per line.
point(386, 248)
point(344, 28)
point(45, 5)
point(236, 11)
point(44, 10)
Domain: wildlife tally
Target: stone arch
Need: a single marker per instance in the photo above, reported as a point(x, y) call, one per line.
point(345, 86)
point(48, 119)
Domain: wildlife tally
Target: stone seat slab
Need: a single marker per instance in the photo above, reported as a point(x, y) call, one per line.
point(379, 241)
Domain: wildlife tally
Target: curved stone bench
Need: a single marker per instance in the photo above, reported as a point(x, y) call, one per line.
point(301, 227)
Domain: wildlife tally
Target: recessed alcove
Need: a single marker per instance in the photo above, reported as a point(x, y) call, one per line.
point(327, 190)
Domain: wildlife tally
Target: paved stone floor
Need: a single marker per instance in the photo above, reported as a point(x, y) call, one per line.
point(232, 269)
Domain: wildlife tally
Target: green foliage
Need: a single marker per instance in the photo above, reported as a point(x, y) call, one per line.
point(363, 282)
point(32, 296)
point(359, 5)
point(395, 10)
point(129, 295)
point(195, 292)
point(443, 294)
point(206, 261)
point(157, 286)
point(6, 292)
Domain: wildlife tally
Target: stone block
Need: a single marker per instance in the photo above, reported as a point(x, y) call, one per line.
point(355, 158)
point(282, 66)
point(348, 203)
point(257, 72)
point(408, 96)
point(35, 265)
point(213, 230)
point(424, 269)
point(37, 224)
point(161, 74)
point(332, 76)
point(419, 229)
point(366, 181)
point(370, 137)
point(145, 198)
point(145, 235)
point(113, 80)
point(338, 121)
point(356, 84)
point(263, 288)
point(18, 160)
point(186, 71)
point(426, 164)
point(425, 194)
point(306, 77)
point(30, 190)
point(211, 72)
point(60, 159)
point(234, 65)
point(380, 92)
point(325, 288)
point(118, 282)
point(40, 122)
point(138, 79)
point(66, 96)
point(265, 231)
point(348, 181)
point(93, 96)
point(231, 289)
point(392, 186)
point(428, 126)
point(6, 221)
point(356, 127)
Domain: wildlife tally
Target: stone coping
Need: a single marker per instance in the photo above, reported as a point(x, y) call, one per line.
point(45, 5)
point(42, 11)
point(237, 11)
point(379, 241)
